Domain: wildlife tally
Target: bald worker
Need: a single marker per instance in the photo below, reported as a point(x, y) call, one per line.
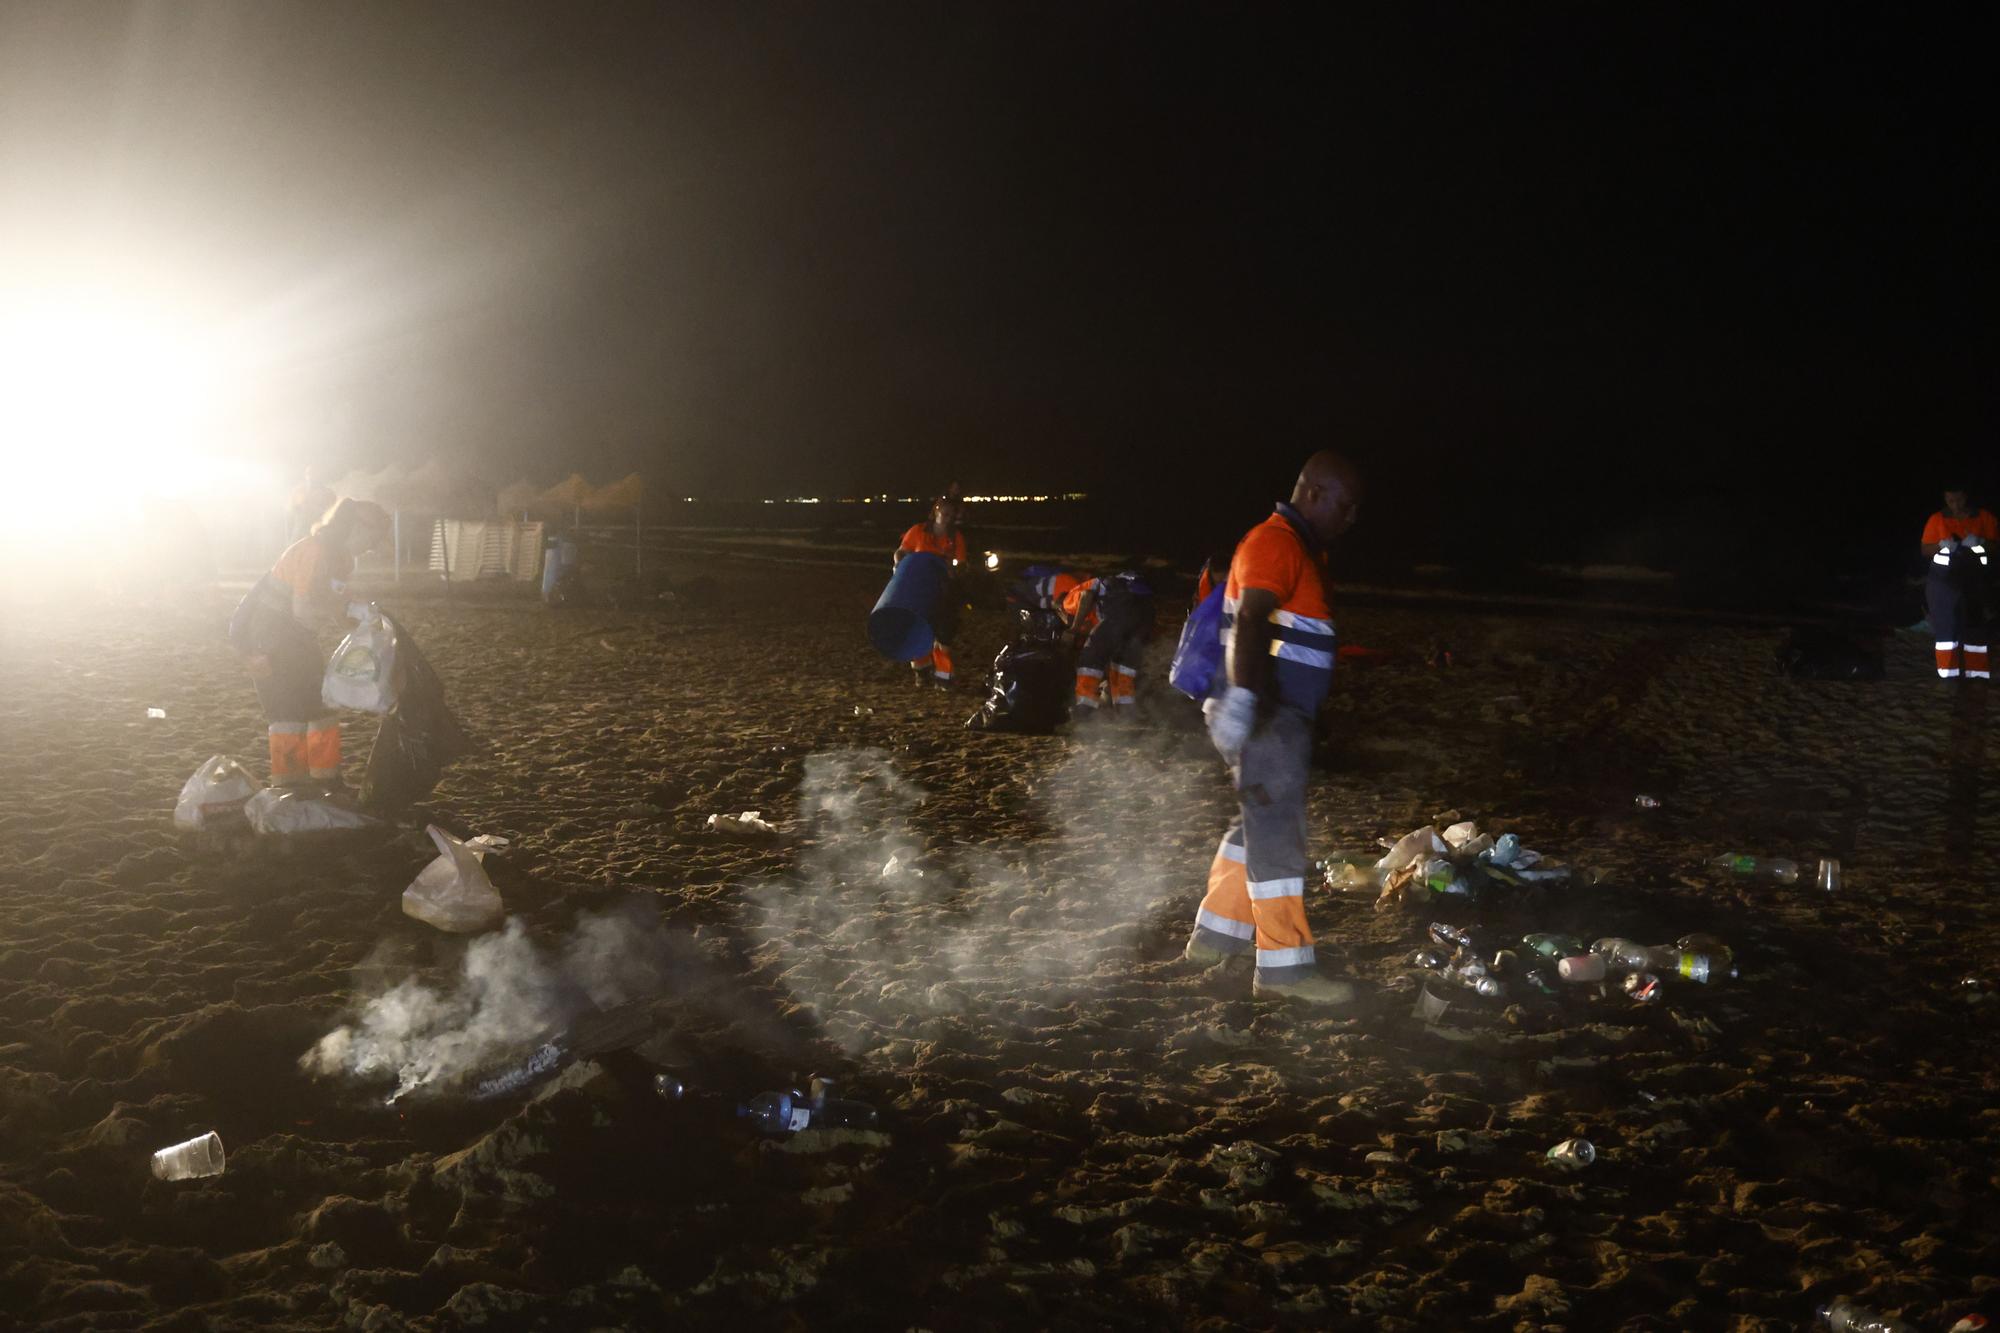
point(1278, 643)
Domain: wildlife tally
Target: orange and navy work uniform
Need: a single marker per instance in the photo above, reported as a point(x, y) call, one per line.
point(944, 622)
point(1118, 624)
point(1956, 592)
point(304, 735)
point(1256, 883)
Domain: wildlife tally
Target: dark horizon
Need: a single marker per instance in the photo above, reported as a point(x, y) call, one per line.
point(1617, 273)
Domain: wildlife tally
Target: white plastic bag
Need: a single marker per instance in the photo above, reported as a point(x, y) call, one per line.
point(276, 810)
point(1416, 845)
point(217, 790)
point(453, 892)
point(362, 671)
point(746, 827)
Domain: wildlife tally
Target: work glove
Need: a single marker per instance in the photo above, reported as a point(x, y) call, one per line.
point(1231, 715)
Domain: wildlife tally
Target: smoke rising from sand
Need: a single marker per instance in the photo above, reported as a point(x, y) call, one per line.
point(508, 996)
point(1021, 895)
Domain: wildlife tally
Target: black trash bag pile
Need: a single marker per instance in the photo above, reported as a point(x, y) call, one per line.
point(1813, 652)
point(419, 736)
point(1032, 683)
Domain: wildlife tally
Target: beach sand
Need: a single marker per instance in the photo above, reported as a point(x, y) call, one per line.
point(1077, 1129)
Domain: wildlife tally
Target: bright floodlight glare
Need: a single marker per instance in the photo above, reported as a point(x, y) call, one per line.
point(993, 560)
point(103, 403)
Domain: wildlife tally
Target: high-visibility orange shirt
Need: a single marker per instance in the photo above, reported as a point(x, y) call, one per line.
point(1980, 525)
point(1275, 556)
point(921, 538)
point(309, 569)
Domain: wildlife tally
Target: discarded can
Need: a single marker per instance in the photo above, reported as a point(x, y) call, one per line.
point(1451, 935)
point(1828, 878)
point(1573, 1153)
point(1428, 959)
point(669, 1087)
point(1646, 802)
point(1643, 987)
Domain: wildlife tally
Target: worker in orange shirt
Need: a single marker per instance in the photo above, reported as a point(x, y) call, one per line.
point(273, 629)
point(1278, 644)
point(1959, 540)
point(1110, 622)
point(938, 535)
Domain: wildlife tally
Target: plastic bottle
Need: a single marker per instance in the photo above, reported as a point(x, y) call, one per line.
point(669, 1087)
point(1625, 955)
point(1844, 1316)
point(1504, 851)
point(1553, 946)
point(1786, 872)
point(1440, 876)
point(1646, 802)
point(1467, 972)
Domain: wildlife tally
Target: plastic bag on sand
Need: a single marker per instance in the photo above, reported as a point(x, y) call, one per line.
point(361, 673)
point(276, 810)
point(217, 790)
point(746, 827)
point(453, 892)
point(1417, 846)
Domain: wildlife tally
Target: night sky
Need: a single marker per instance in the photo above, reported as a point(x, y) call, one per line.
point(1605, 266)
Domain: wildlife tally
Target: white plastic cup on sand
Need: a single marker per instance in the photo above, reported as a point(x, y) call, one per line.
point(190, 1160)
point(1829, 876)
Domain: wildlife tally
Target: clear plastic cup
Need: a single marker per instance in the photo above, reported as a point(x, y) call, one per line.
point(1829, 876)
point(190, 1160)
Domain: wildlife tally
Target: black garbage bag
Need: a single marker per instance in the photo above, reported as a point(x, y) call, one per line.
point(1030, 692)
point(1814, 652)
point(419, 736)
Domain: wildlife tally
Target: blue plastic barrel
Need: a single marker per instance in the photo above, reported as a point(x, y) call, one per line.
point(558, 564)
point(900, 624)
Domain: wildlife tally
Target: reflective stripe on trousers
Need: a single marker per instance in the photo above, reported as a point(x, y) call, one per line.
point(1256, 884)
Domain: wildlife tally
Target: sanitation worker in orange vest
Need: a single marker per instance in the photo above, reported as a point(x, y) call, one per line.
point(1278, 645)
point(273, 629)
point(938, 535)
point(1960, 541)
point(1110, 622)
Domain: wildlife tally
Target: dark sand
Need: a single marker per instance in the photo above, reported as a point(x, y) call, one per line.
point(1079, 1130)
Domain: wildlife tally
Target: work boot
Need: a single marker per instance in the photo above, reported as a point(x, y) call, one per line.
point(1203, 954)
point(1312, 989)
point(920, 676)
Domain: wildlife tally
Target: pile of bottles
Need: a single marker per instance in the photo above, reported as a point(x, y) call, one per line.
point(1543, 961)
point(789, 1110)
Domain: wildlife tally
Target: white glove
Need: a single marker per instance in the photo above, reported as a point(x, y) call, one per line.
point(1231, 715)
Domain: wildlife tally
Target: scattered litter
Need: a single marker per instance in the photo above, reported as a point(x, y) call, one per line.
point(453, 892)
point(746, 827)
point(790, 1111)
point(217, 791)
point(284, 811)
point(1828, 878)
point(859, 711)
point(1431, 1007)
point(669, 1087)
point(156, 712)
point(896, 865)
point(1646, 802)
point(1841, 1315)
point(1780, 869)
point(1647, 1096)
point(191, 1160)
point(544, 1060)
point(1423, 866)
point(1574, 1154)
point(1643, 987)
